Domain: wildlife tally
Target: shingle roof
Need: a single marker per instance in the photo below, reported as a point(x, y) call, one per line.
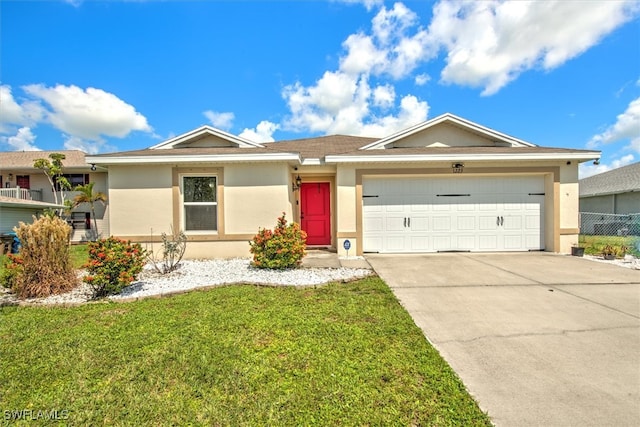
point(336, 145)
point(25, 159)
point(620, 180)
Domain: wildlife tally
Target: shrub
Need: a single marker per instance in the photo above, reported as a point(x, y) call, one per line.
point(12, 267)
point(45, 266)
point(173, 249)
point(113, 264)
point(283, 247)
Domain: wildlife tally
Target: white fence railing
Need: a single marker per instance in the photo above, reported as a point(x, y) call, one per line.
point(21, 193)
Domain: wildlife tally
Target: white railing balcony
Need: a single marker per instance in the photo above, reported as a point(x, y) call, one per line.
point(21, 193)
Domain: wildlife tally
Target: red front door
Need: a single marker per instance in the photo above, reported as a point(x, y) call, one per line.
point(315, 212)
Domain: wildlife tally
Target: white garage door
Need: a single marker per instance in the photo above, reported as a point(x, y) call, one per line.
point(481, 214)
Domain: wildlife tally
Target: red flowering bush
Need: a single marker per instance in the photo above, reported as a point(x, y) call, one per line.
point(113, 264)
point(13, 267)
point(282, 247)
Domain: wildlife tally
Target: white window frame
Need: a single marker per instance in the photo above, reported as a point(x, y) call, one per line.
point(183, 204)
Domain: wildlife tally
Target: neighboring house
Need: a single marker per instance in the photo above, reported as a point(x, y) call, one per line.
point(447, 184)
point(23, 187)
point(13, 210)
point(614, 192)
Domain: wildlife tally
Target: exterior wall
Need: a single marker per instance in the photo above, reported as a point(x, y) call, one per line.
point(628, 203)
point(249, 196)
point(624, 203)
point(568, 205)
point(444, 135)
point(255, 195)
point(10, 217)
point(141, 197)
point(346, 209)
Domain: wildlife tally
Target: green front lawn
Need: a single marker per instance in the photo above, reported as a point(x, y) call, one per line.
point(342, 354)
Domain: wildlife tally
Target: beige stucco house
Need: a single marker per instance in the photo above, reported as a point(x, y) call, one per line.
point(25, 191)
point(447, 184)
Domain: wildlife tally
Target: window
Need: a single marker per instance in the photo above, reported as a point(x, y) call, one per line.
point(75, 179)
point(200, 205)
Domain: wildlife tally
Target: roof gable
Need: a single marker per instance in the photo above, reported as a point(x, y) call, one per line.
point(206, 137)
point(447, 130)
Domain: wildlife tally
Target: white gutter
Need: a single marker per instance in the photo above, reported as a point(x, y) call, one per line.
point(459, 157)
point(125, 160)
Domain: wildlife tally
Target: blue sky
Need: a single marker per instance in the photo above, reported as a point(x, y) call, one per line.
point(106, 76)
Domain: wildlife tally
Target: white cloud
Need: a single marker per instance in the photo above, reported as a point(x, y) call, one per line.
point(12, 113)
point(383, 96)
point(222, 121)
point(262, 133)
point(395, 47)
point(21, 141)
point(626, 127)
point(342, 104)
point(369, 4)
point(589, 169)
point(490, 43)
point(89, 113)
point(422, 79)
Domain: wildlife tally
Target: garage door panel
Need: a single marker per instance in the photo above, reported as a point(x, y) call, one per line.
point(395, 223)
point(441, 223)
point(442, 243)
point(466, 223)
point(466, 242)
point(422, 214)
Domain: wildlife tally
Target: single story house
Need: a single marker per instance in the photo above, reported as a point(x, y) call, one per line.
point(25, 189)
point(447, 184)
point(613, 192)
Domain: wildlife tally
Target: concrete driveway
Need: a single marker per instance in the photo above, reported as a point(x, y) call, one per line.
point(537, 338)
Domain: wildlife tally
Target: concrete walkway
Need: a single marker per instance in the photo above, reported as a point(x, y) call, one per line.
point(320, 258)
point(537, 338)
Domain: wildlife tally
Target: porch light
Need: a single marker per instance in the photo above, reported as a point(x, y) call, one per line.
point(10, 177)
point(93, 167)
point(296, 186)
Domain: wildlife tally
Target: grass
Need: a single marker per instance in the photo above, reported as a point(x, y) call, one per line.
point(593, 244)
point(343, 354)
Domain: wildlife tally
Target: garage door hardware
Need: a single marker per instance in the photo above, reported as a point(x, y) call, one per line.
point(453, 195)
point(536, 194)
point(500, 221)
point(368, 196)
point(407, 222)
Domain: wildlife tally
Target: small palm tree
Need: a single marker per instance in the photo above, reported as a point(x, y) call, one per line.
point(88, 196)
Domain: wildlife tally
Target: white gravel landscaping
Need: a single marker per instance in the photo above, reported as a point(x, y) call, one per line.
point(205, 273)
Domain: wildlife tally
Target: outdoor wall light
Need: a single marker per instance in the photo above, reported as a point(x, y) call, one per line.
point(296, 185)
point(93, 167)
point(10, 177)
point(457, 165)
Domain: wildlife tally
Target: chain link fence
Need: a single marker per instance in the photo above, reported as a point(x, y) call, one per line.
point(600, 224)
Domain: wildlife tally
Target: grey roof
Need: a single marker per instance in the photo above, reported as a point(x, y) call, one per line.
point(621, 180)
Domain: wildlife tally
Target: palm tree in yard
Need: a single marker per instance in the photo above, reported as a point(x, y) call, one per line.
point(86, 195)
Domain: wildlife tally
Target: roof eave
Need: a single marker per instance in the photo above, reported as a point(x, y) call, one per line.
point(200, 158)
point(581, 157)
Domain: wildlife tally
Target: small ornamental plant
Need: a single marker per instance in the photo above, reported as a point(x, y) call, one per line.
point(113, 264)
point(44, 265)
point(280, 248)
